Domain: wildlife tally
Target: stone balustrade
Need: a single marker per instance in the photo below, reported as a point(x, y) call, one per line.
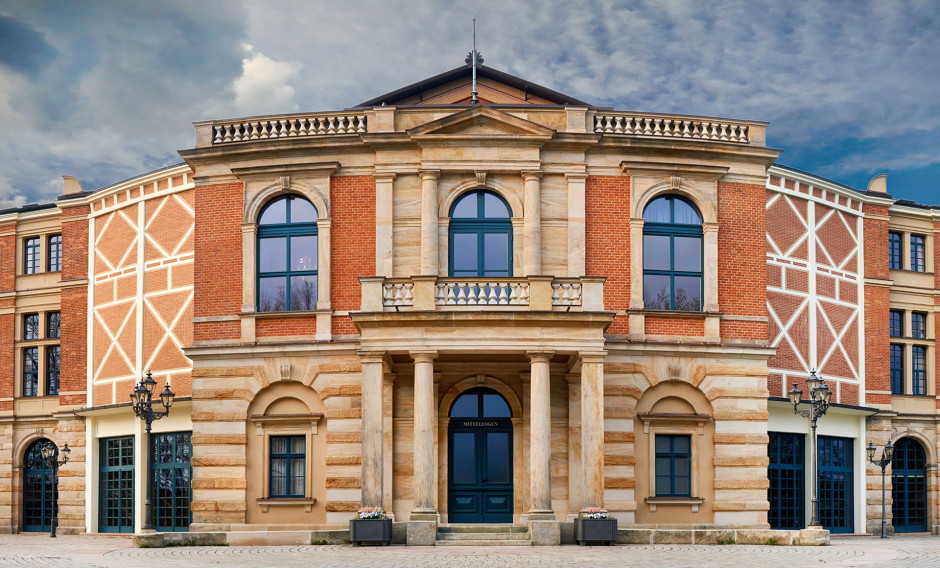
point(287, 127)
point(431, 293)
point(672, 127)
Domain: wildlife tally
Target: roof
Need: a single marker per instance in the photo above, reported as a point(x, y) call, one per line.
point(833, 182)
point(483, 71)
point(27, 208)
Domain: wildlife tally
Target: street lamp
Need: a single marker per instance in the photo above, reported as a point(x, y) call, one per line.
point(49, 453)
point(819, 395)
point(142, 401)
point(886, 456)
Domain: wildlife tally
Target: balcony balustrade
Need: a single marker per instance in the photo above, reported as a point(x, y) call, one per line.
point(660, 126)
point(432, 293)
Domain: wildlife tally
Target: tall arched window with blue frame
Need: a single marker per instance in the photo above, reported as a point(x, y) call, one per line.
point(287, 255)
point(672, 255)
point(480, 239)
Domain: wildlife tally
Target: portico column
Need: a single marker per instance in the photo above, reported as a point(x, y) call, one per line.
point(532, 249)
point(429, 217)
point(540, 441)
point(424, 416)
point(372, 430)
point(592, 428)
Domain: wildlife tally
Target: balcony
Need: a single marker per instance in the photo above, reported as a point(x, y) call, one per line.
point(433, 293)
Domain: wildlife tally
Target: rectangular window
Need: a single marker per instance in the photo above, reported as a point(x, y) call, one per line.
point(53, 320)
point(31, 371)
point(919, 325)
point(55, 253)
point(919, 370)
point(917, 253)
point(894, 251)
point(31, 255)
point(288, 466)
point(31, 326)
point(52, 370)
point(897, 369)
point(896, 326)
point(673, 465)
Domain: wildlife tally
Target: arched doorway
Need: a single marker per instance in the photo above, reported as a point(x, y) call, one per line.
point(909, 486)
point(38, 489)
point(479, 455)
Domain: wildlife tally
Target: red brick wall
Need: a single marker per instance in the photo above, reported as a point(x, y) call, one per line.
point(742, 266)
point(218, 260)
point(73, 370)
point(352, 244)
point(8, 258)
point(7, 356)
point(693, 327)
point(607, 241)
point(278, 327)
point(877, 341)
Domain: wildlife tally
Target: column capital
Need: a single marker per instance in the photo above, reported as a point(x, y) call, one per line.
point(371, 356)
point(384, 176)
point(576, 176)
point(539, 356)
point(710, 227)
point(324, 223)
point(592, 356)
point(429, 174)
point(532, 175)
point(423, 356)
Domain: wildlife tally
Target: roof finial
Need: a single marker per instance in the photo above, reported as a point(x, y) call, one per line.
point(473, 59)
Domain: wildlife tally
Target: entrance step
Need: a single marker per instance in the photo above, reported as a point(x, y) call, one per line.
point(483, 535)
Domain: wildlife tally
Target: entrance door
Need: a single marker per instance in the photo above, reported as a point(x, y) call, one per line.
point(116, 479)
point(786, 481)
point(38, 489)
point(909, 483)
point(171, 472)
point(835, 484)
point(480, 458)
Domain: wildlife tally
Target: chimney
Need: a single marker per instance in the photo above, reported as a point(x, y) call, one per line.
point(879, 183)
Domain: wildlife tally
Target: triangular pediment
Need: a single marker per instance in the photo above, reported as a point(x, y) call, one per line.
point(484, 122)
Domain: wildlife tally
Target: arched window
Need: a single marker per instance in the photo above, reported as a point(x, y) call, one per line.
point(287, 255)
point(38, 488)
point(480, 402)
point(909, 483)
point(480, 241)
point(672, 255)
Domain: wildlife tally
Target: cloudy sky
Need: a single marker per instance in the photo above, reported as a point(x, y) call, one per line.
point(106, 90)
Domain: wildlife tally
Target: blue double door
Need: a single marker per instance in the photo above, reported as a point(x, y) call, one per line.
point(480, 471)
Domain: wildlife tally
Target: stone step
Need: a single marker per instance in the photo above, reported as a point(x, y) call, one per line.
point(484, 543)
point(483, 536)
point(489, 528)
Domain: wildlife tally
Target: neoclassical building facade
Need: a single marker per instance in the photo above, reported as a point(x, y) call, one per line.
point(506, 311)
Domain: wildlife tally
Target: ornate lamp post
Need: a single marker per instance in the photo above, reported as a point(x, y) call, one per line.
point(819, 395)
point(49, 453)
point(142, 400)
point(886, 456)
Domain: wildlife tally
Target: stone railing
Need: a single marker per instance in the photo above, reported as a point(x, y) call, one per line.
point(672, 127)
point(431, 293)
point(295, 126)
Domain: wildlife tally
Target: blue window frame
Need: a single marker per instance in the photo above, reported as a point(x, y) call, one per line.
point(116, 485)
point(39, 489)
point(287, 255)
point(918, 370)
point(672, 255)
point(836, 502)
point(919, 325)
point(917, 253)
point(894, 251)
point(31, 326)
point(480, 236)
point(896, 327)
point(288, 466)
point(31, 255)
point(31, 371)
point(787, 481)
point(171, 474)
point(897, 369)
point(54, 263)
point(673, 465)
point(909, 487)
point(52, 370)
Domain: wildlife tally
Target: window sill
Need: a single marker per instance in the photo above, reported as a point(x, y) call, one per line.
point(653, 502)
point(307, 502)
point(291, 314)
point(674, 313)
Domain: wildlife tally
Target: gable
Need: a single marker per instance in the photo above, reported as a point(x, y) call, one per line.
point(481, 121)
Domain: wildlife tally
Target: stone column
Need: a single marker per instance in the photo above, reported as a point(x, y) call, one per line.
point(532, 212)
point(592, 428)
point(424, 416)
point(540, 445)
point(372, 428)
point(429, 217)
point(384, 226)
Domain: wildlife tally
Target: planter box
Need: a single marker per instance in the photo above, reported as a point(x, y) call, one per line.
point(595, 531)
point(370, 531)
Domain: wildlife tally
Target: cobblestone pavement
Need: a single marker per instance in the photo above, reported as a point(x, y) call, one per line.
point(105, 552)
